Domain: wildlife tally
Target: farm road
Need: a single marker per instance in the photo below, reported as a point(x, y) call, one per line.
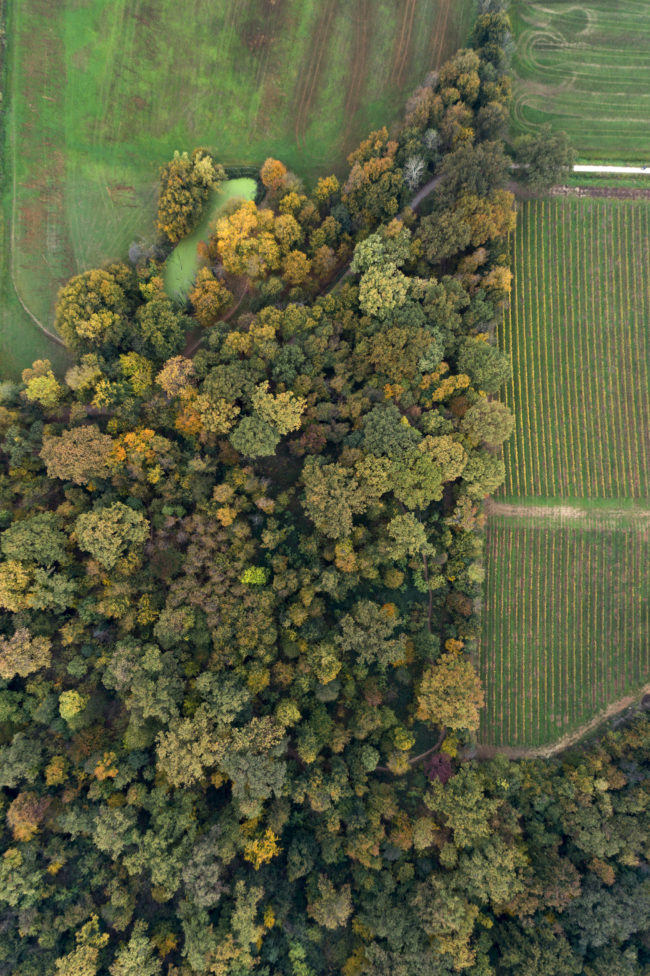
point(545, 752)
point(563, 512)
point(620, 170)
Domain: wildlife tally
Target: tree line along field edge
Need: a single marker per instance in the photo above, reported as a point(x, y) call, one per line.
point(97, 101)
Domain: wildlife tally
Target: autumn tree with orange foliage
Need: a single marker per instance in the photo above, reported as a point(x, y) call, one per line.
point(273, 174)
point(450, 693)
point(209, 297)
point(185, 185)
point(372, 191)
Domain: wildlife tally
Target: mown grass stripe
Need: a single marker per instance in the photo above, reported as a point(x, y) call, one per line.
point(640, 287)
point(542, 444)
point(552, 344)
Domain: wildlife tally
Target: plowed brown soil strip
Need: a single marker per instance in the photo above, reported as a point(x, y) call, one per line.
point(271, 99)
point(357, 74)
point(439, 35)
point(403, 46)
point(314, 67)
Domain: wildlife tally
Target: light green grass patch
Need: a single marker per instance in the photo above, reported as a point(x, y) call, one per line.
point(584, 67)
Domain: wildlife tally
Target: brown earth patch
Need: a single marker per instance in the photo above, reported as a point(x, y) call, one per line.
point(311, 72)
point(272, 93)
point(492, 507)
point(439, 33)
point(403, 44)
point(564, 512)
point(615, 192)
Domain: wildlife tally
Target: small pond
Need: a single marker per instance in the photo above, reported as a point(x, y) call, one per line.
point(182, 264)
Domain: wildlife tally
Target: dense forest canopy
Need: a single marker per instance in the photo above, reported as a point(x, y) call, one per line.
point(241, 579)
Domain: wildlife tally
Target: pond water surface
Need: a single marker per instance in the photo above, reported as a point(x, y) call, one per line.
point(182, 264)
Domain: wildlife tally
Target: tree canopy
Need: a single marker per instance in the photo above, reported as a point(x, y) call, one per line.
point(241, 586)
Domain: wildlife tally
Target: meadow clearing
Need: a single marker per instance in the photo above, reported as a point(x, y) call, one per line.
point(101, 93)
point(584, 68)
point(566, 629)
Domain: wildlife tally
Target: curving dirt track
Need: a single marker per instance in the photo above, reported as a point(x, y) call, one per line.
point(545, 752)
point(313, 68)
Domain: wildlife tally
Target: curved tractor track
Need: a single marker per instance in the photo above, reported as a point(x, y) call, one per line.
point(572, 739)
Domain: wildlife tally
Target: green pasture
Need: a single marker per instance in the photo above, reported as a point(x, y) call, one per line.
point(182, 264)
point(101, 92)
point(565, 623)
point(578, 333)
point(584, 67)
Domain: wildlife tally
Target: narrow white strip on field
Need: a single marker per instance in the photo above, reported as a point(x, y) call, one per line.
point(611, 169)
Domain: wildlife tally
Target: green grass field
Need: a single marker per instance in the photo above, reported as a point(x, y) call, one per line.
point(565, 627)
point(578, 332)
point(584, 67)
point(101, 92)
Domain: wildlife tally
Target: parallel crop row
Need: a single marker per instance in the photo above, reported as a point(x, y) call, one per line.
point(577, 331)
point(566, 625)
